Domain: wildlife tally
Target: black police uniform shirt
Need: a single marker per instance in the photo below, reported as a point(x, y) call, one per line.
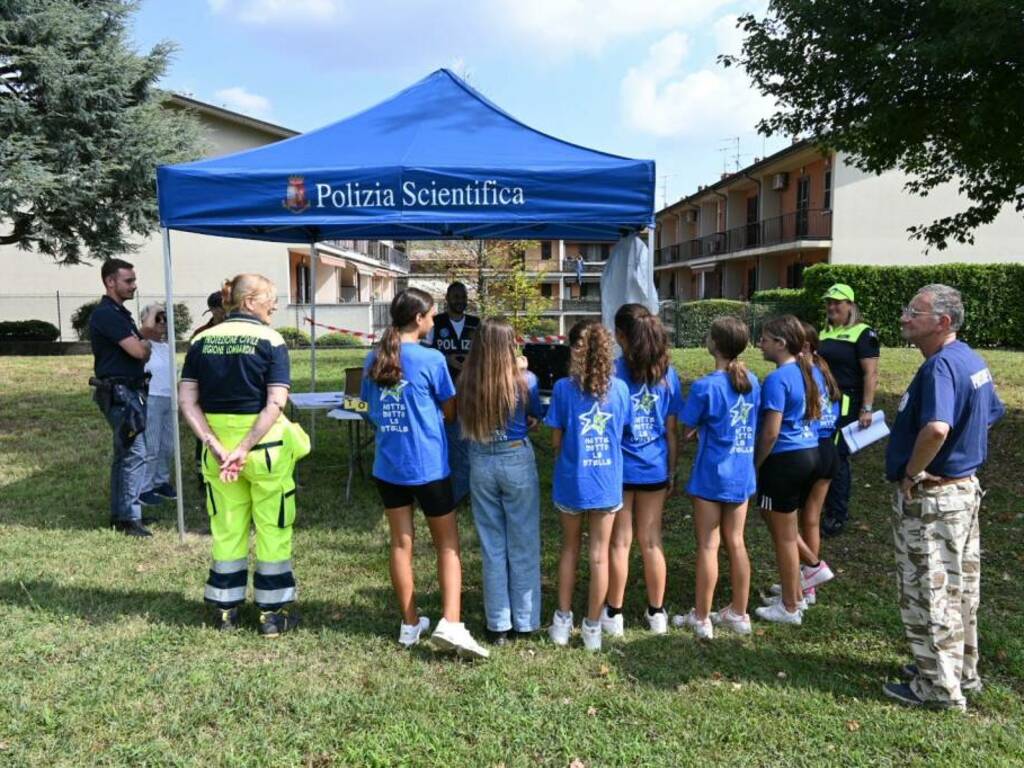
point(843, 356)
point(234, 362)
point(110, 324)
point(450, 342)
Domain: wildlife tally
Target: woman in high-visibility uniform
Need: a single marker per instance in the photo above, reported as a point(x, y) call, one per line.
point(234, 387)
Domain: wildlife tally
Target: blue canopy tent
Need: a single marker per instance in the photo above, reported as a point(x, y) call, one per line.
point(436, 161)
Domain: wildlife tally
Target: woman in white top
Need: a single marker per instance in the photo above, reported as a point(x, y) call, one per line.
point(159, 434)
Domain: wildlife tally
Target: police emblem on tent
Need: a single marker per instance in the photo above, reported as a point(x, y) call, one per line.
point(295, 199)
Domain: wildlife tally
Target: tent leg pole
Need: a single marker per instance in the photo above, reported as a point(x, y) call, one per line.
point(173, 368)
point(313, 258)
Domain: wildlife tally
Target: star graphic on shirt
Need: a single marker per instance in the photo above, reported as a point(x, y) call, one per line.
point(644, 400)
point(740, 412)
point(393, 392)
point(594, 420)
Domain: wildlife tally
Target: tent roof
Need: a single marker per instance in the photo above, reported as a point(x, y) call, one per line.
point(437, 160)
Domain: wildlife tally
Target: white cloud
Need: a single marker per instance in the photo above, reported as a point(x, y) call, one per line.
point(240, 100)
point(266, 11)
point(589, 25)
point(664, 98)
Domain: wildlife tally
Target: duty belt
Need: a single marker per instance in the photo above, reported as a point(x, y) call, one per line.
point(132, 382)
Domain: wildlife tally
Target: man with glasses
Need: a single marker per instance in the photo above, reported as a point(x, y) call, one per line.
point(120, 352)
point(939, 441)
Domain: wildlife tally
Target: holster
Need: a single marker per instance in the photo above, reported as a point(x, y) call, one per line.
point(130, 396)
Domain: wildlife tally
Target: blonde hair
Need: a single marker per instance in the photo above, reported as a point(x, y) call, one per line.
point(491, 384)
point(590, 362)
point(149, 309)
point(243, 287)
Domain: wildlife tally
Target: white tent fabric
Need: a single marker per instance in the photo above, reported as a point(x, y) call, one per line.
point(628, 278)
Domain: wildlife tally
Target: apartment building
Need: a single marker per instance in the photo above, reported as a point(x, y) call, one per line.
point(762, 226)
point(354, 278)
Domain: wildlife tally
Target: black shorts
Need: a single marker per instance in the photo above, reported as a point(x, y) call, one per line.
point(435, 498)
point(828, 459)
point(785, 479)
point(645, 487)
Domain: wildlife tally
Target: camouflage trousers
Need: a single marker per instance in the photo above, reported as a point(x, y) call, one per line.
point(938, 574)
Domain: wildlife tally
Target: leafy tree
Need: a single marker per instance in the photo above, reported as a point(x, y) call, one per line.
point(81, 129)
point(934, 88)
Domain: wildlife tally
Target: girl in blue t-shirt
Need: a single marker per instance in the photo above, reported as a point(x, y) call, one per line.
point(409, 394)
point(722, 409)
point(589, 411)
point(787, 455)
point(648, 462)
point(498, 404)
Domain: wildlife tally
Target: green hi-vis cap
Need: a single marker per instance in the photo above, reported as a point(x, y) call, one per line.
point(839, 292)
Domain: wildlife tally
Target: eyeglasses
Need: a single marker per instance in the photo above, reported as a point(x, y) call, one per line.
point(909, 311)
point(161, 318)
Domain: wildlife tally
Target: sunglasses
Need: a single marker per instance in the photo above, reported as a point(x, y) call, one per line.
point(161, 318)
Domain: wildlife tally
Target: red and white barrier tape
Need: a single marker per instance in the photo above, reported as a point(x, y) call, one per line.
point(357, 334)
point(540, 339)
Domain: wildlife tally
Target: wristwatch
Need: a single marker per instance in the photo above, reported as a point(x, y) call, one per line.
point(866, 408)
point(915, 479)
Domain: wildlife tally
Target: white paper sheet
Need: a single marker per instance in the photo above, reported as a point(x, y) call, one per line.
point(857, 438)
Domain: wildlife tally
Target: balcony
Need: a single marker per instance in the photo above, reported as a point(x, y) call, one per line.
point(385, 255)
point(565, 306)
point(589, 267)
point(788, 228)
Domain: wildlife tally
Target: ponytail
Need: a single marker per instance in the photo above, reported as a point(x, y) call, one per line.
point(590, 363)
point(791, 332)
point(831, 386)
point(812, 404)
point(405, 307)
point(646, 347)
point(729, 337)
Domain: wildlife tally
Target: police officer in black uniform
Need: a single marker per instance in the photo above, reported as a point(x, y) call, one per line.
point(851, 349)
point(452, 336)
point(120, 352)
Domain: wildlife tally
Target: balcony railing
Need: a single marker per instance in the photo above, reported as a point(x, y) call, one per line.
point(589, 267)
point(788, 228)
point(585, 304)
point(384, 254)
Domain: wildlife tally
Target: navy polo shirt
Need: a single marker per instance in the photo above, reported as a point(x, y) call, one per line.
point(953, 386)
point(234, 363)
point(109, 324)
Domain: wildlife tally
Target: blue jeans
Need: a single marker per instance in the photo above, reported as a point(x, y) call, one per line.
point(159, 436)
point(458, 460)
point(506, 509)
point(127, 470)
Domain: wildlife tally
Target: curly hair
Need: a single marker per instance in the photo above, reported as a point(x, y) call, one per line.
point(590, 363)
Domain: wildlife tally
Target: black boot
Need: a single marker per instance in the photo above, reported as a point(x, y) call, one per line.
point(276, 623)
point(224, 619)
point(130, 528)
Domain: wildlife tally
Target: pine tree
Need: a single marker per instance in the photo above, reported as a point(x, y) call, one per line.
point(82, 129)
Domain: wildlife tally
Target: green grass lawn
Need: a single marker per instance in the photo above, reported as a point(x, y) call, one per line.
point(105, 659)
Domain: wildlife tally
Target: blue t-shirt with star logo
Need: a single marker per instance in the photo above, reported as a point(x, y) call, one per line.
point(783, 391)
point(829, 410)
point(588, 470)
point(726, 422)
point(645, 447)
point(411, 445)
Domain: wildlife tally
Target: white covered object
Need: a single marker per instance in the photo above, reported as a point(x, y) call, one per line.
point(627, 278)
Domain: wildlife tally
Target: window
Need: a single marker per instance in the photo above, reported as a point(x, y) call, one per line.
point(751, 281)
point(827, 204)
point(545, 290)
point(795, 276)
point(302, 293)
point(545, 250)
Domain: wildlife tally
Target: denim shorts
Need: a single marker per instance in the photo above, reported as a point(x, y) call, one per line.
point(598, 510)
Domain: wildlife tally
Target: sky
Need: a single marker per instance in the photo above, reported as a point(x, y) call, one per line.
point(632, 77)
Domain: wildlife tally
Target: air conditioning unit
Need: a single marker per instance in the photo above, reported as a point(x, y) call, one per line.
point(780, 180)
point(691, 216)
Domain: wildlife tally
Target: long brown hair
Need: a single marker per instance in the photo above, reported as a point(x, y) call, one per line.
point(729, 337)
point(646, 347)
point(590, 362)
point(491, 384)
point(387, 366)
point(835, 394)
point(788, 330)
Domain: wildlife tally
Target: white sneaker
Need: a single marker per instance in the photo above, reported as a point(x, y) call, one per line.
point(778, 614)
point(591, 635)
point(702, 629)
point(409, 634)
point(729, 619)
point(453, 636)
point(777, 600)
point(810, 594)
point(561, 629)
point(612, 625)
point(815, 577)
point(658, 622)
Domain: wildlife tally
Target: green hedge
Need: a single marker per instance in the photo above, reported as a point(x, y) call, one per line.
point(80, 320)
point(690, 320)
point(992, 296)
point(28, 330)
point(339, 340)
point(787, 301)
point(293, 336)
